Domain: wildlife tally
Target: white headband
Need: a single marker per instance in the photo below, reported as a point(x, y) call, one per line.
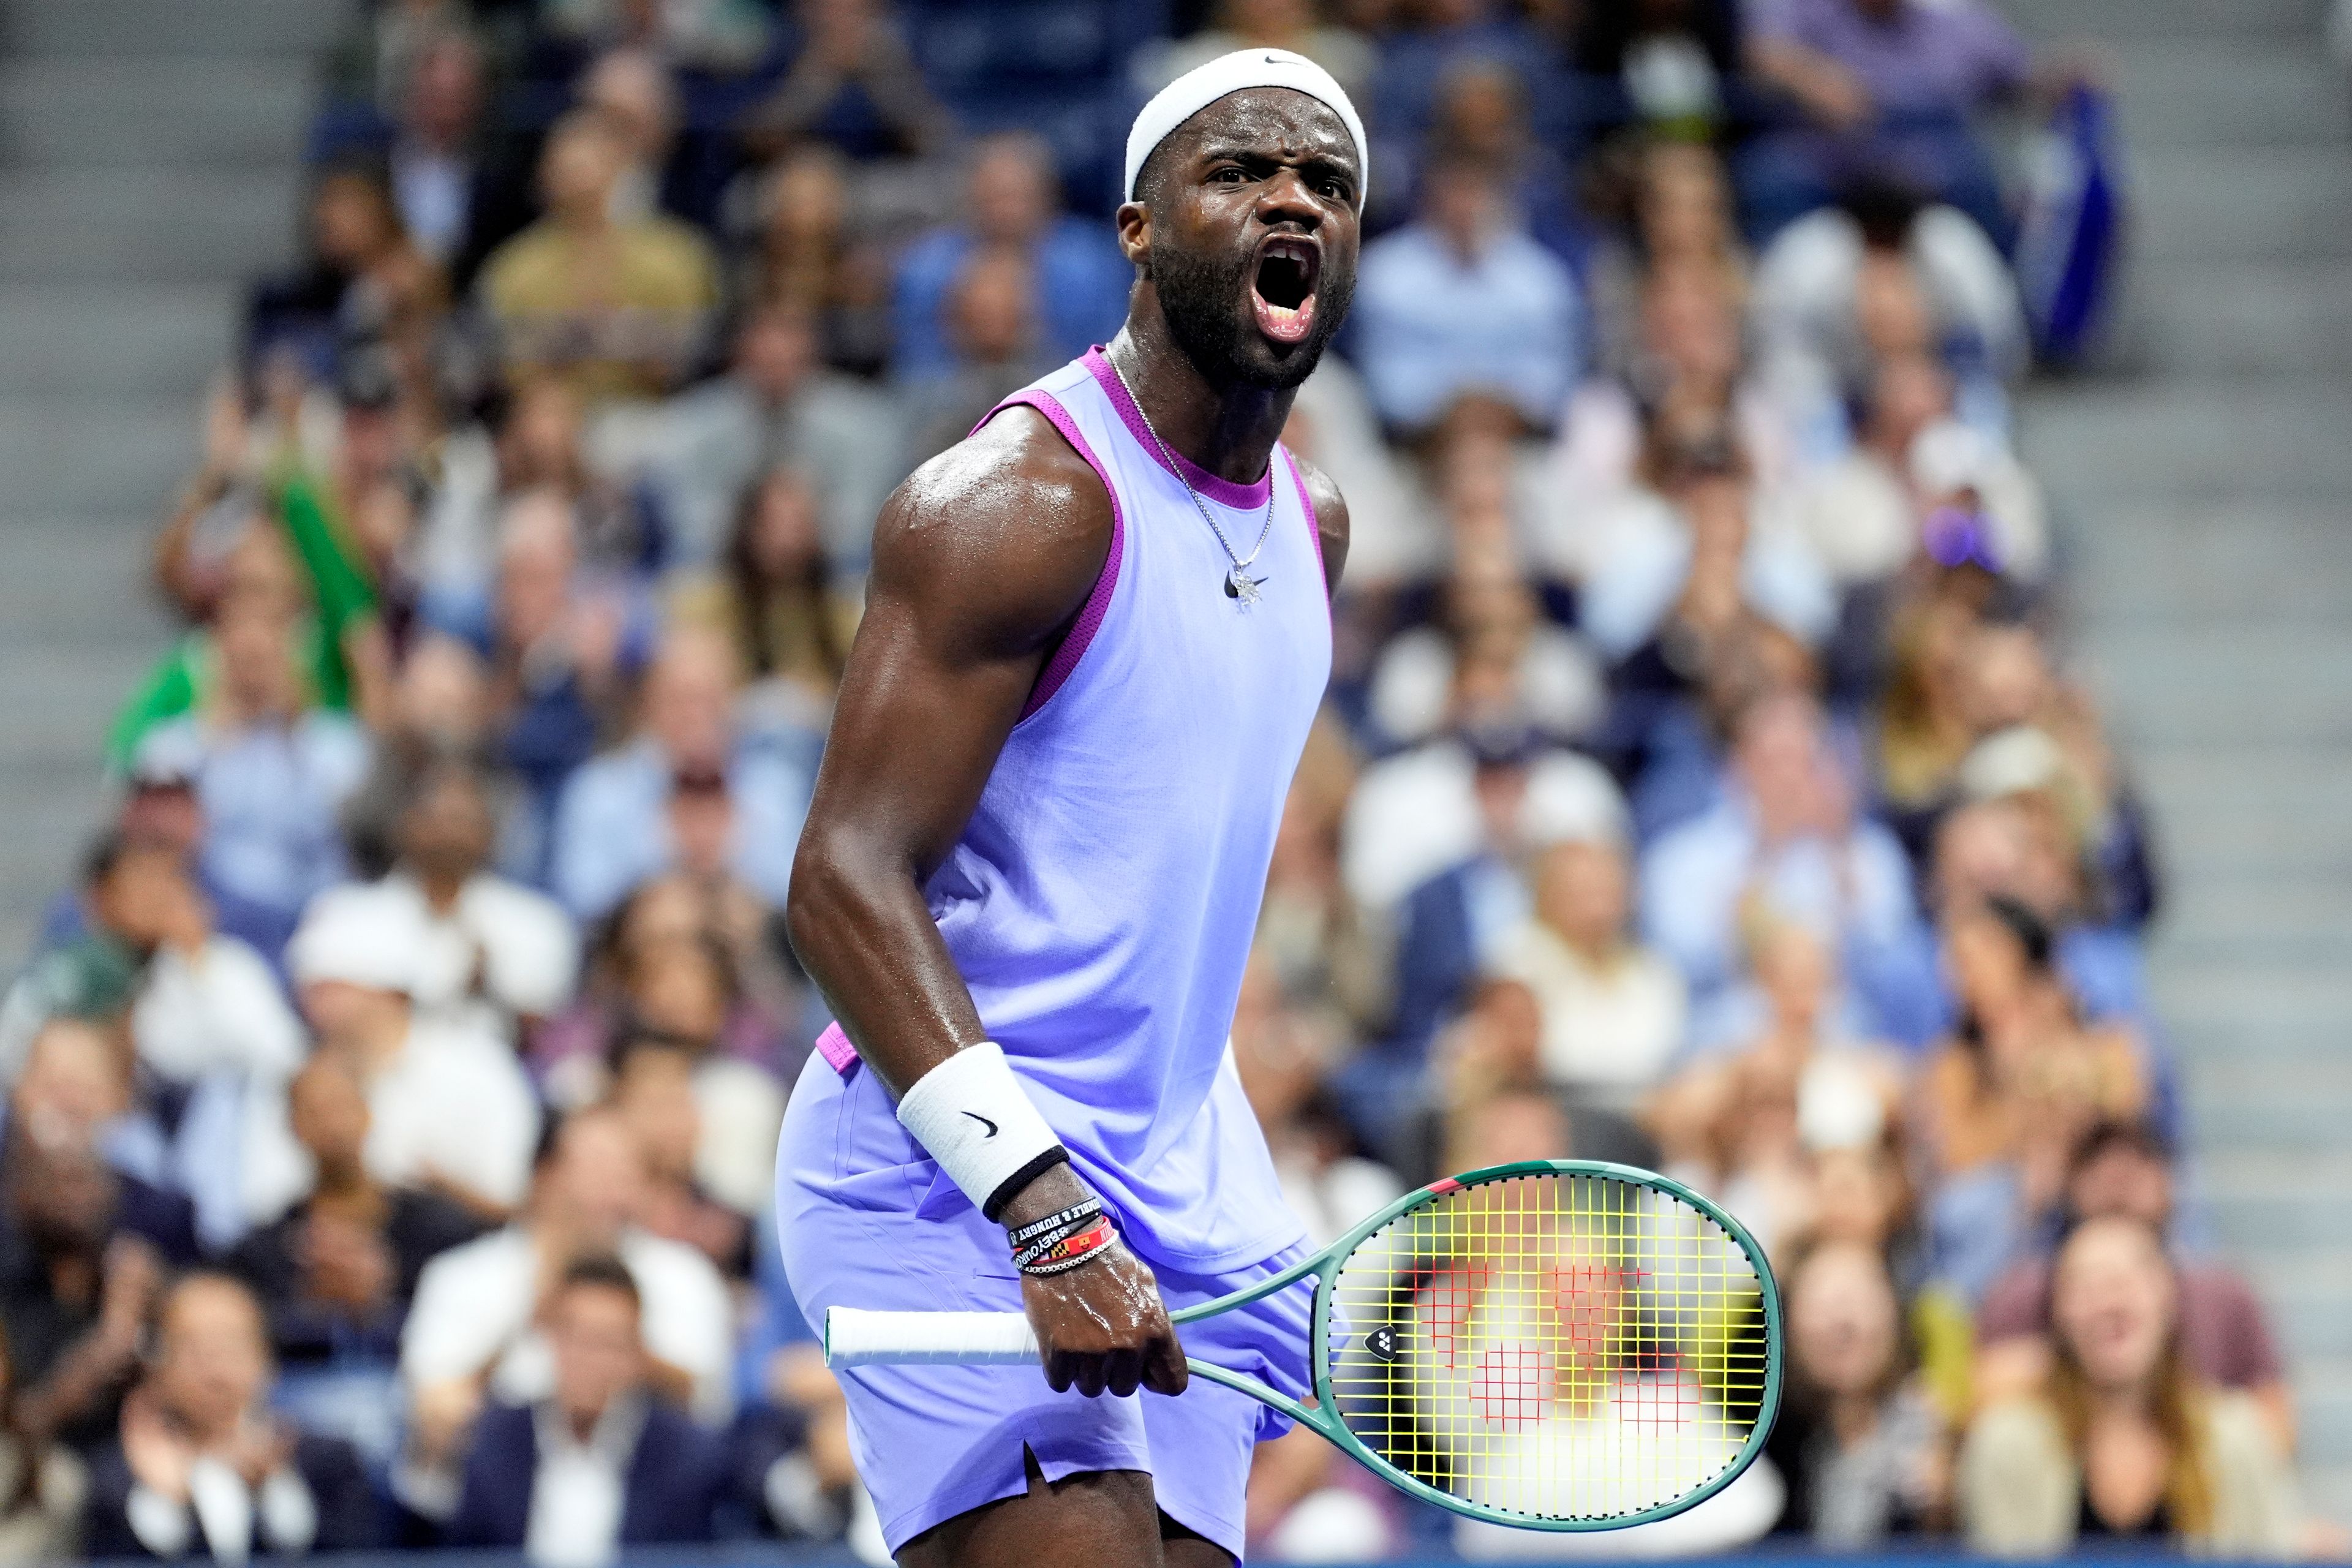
point(1238, 72)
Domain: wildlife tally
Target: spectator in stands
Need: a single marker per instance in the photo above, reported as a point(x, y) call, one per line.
point(1914, 475)
point(1612, 1010)
point(794, 1435)
point(1292, 24)
point(1815, 284)
point(498, 956)
point(82, 1253)
point(776, 596)
point(41, 1491)
point(994, 339)
point(632, 90)
point(2124, 1440)
point(1464, 305)
point(816, 252)
point(1786, 831)
point(449, 1107)
point(1415, 63)
point(336, 1272)
point(1858, 1444)
point(2004, 1102)
point(671, 948)
point(1679, 573)
point(618, 822)
point(199, 1002)
point(653, 1088)
point(271, 768)
point(2122, 1170)
point(616, 306)
point(779, 405)
point(1077, 282)
point(1984, 848)
point(1283, 1054)
point(853, 83)
point(476, 1329)
point(707, 34)
point(455, 200)
point(363, 273)
point(608, 1463)
point(202, 1465)
point(563, 642)
point(1891, 84)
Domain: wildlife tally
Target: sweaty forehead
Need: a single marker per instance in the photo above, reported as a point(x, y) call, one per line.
point(1267, 120)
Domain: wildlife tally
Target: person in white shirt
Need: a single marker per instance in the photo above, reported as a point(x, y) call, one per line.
point(474, 1330)
point(1612, 1010)
point(450, 1108)
point(497, 955)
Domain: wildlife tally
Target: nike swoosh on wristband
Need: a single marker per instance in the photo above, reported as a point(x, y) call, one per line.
point(984, 1122)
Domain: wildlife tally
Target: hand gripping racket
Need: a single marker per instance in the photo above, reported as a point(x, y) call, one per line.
point(1554, 1344)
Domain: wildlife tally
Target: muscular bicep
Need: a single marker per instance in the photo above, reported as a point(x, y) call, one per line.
point(980, 562)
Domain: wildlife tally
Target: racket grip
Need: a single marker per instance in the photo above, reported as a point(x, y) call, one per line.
point(856, 1337)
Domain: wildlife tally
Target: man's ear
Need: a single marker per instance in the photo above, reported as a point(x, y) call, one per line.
point(1134, 221)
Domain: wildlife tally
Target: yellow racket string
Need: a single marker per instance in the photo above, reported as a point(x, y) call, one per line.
point(1560, 1346)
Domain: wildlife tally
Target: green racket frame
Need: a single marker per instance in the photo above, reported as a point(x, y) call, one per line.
point(1326, 1266)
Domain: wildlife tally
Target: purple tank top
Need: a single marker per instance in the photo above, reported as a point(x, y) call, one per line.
point(1101, 903)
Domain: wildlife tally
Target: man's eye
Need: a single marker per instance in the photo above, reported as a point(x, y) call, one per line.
point(1229, 176)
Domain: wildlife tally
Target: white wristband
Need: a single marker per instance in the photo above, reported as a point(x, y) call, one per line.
point(971, 1115)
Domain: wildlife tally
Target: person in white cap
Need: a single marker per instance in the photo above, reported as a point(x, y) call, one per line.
point(447, 1109)
point(1097, 632)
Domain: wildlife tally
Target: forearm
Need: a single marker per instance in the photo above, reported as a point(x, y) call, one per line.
point(860, 923)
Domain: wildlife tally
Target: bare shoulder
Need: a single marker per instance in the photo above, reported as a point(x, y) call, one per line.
point(1003, 534)
point(1330, 517)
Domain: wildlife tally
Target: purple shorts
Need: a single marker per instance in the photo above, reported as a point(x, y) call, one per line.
point(932, 1442)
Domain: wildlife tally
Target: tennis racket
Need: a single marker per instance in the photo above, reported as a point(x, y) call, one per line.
point(1554, 1344)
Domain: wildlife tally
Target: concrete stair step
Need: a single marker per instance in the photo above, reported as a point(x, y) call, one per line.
point(94, 456)
point(90, 113)
point(2227, 559)
point(77, 583)
point(146, 224)
point(113, 340)
point(2232, 90)
point(2166, 443)
point(2246, 683)
point(2139, 19)
point(172, 27)
point(2249, 204)
point(2208, 319)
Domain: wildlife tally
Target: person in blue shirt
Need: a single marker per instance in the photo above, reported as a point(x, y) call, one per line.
point(1080, 280)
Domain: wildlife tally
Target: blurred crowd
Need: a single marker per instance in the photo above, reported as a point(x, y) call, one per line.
point(390, 1106)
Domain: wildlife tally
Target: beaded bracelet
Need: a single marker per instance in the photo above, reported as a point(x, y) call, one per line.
point(1060, 1254)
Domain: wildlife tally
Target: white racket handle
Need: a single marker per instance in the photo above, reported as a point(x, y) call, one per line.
point(856, 1337)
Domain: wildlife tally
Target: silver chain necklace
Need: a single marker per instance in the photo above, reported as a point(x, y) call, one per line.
point(1239, 584)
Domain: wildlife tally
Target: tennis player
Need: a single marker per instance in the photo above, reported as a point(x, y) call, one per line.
point(1098, 631)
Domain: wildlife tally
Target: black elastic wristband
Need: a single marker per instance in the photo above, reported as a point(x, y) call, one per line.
point(1022, 1235)
point(1010, 1188)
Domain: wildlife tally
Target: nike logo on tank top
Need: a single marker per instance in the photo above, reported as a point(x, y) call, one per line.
point(1102, 901)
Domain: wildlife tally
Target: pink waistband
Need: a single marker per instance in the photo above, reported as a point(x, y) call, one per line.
point(835, 1047)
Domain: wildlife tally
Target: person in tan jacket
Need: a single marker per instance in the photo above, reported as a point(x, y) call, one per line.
point(2123, 1441)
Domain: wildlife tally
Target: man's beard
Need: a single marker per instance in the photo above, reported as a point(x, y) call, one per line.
point(1205, 304)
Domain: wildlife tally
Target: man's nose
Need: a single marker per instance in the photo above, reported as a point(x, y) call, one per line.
point(1286, 198)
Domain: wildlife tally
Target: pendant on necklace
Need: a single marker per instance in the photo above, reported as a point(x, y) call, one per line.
point(1241, 585)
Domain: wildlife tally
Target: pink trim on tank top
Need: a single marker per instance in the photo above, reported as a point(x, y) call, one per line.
point(1223, 491)
point(1090, 614)
point(835, 1047)
point(1314, 529)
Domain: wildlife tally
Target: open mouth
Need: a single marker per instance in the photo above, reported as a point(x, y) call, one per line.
point(1283, 294)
